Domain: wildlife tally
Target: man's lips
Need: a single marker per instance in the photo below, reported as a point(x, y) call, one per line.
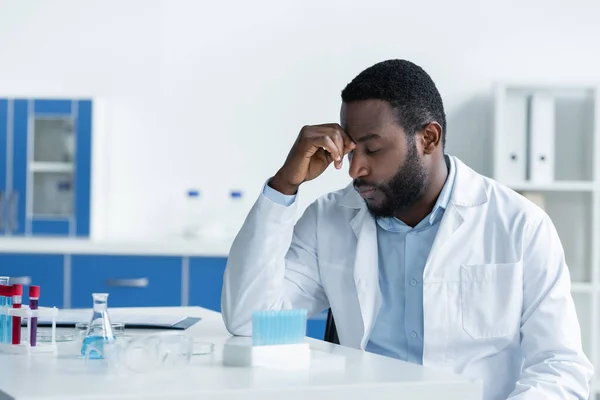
point(365, 191)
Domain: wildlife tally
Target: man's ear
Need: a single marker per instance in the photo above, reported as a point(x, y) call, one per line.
point(431, 137)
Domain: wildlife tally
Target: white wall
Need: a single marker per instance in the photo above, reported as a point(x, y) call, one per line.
point(212, 94)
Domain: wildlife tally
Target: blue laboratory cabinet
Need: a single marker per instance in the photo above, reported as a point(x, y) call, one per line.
point(132, 280)
point(45, 167)
point(44, 270)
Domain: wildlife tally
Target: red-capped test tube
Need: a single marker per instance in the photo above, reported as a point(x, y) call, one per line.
point(17, 297)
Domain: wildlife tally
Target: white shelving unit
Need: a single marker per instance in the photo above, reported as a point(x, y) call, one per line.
point(567, 116)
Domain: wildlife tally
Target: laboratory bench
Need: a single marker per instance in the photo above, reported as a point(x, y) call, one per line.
point(359, 375)
point(135, 274)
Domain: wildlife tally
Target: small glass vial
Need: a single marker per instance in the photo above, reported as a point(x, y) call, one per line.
point(236, 213)
point(99, 330)
point(193, 214)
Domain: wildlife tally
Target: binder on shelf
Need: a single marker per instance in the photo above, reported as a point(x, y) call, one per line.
point(541, 138)
point(511, 166)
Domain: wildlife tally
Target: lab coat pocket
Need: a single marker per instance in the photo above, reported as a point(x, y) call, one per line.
point(491, 299)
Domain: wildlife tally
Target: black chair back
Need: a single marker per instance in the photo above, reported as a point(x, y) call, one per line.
point(331, 334)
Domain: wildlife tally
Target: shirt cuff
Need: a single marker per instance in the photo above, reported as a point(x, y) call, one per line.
point(278, 197)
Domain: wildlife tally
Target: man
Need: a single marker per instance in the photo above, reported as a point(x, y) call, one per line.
point(420, 258)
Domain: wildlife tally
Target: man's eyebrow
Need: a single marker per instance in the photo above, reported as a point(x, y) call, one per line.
point(368, 137)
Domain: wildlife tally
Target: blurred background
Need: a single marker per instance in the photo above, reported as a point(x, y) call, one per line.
point(210, 95)
point(138, 134)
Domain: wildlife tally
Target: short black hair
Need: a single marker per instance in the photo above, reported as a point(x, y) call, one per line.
point(407, 87)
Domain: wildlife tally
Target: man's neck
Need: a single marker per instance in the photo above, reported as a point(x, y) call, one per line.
point(413, 215)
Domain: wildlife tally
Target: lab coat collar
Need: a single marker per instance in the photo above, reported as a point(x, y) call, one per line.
point(470, 189)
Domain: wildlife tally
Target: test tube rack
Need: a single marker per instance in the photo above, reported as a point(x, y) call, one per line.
point(26, 314)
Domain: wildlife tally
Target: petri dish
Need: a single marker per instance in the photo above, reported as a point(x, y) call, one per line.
point(117, 327)
point(202, 348)
point(45, 336)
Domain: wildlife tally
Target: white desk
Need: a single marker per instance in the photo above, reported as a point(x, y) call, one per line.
point(366, 376)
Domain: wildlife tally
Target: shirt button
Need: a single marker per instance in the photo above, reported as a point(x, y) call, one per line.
point(413, 282)
point(414, 335)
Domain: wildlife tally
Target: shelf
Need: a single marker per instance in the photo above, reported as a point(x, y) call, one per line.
point(583, 287)
point(559, 186)
point(51, 167)
point(549, 84)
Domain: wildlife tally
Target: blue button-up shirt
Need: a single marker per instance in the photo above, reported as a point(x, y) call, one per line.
point(403, 251)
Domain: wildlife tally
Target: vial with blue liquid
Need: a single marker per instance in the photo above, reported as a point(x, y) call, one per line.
point(99, 330)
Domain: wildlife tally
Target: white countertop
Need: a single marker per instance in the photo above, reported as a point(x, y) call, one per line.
point(43, 377)
point(174, 247)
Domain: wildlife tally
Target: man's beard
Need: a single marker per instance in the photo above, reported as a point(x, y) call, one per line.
point(405, 188)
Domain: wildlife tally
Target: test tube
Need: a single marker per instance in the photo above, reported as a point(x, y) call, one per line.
point(9, 324)
point(6, 323)
point(17, 296)
point(3, 316)
point(34, 296)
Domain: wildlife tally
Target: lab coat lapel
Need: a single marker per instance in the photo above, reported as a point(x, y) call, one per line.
point(366, 270)
point(469, 191)
point(451, 221)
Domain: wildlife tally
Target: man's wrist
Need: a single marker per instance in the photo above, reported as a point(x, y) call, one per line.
point(277, 183)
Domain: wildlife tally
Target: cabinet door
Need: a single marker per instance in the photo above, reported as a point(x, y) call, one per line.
point(3, 164)
point(45, 270)
point(83, 175)
point(16, 194)
point(130, 281)
point(206, 281)
point(315, 326)
point(51, 168)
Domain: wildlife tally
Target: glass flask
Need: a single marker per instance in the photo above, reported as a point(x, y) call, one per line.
point(99, 330)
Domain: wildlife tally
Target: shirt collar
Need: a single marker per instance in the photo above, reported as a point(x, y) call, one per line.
point(446, 193)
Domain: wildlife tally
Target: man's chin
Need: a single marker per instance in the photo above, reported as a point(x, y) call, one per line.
point(378, 209)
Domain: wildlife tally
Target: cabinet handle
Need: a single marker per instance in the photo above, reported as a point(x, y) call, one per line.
point(14, 208)
point(131, 283)
point(20, 280)
point(2, 211)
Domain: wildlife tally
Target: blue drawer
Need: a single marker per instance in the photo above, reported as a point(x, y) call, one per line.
point(206, 281)
point(131, 281)
point(44, 270)
point(315, 326)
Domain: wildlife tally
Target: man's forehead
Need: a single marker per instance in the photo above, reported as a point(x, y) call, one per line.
point(366, 113)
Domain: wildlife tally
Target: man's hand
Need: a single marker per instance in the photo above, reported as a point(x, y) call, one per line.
point(315, 148)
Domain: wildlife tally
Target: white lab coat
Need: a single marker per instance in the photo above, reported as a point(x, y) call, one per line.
point(496, 288)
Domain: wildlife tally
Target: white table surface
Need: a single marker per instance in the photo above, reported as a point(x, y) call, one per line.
point(365, 376)
point(166, 247)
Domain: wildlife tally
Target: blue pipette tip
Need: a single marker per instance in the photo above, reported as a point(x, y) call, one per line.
point(278, 327)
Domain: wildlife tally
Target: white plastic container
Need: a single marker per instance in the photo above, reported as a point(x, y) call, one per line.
point(25, 348)
point(222, 218)
point(239, 352)
point(192, 218)
point(236, 214)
